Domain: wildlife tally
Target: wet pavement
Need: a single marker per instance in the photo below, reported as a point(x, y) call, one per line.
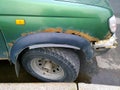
point(104, 69)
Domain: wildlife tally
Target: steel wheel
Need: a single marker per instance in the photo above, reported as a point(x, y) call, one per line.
point(47, 68)
point(52, 64)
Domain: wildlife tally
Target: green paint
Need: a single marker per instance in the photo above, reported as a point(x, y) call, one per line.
point(3, 48)
point(88, 17)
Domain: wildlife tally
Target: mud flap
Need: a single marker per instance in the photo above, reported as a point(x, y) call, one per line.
point(17, 68)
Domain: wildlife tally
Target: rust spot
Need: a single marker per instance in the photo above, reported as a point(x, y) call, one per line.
point(30, 33)
point(24, 34)
point(10, 44)
point(86, 36)
point(59, 30)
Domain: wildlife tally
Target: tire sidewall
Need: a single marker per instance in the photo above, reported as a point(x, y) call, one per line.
point(67, 68)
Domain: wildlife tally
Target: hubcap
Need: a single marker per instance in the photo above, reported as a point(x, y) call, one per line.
point(47, 68)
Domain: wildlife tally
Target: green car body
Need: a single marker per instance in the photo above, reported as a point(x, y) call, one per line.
point(40, 15)
point(86, 18)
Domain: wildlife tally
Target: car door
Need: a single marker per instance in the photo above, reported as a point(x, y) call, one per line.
point(3, 47)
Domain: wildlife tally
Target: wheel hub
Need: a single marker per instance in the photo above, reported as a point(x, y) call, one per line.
point(47, 68)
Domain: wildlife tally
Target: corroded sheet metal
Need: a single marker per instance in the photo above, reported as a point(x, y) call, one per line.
point(84, 35)
point(60, 30)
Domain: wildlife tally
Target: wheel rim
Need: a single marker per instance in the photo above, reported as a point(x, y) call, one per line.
point(47, 68)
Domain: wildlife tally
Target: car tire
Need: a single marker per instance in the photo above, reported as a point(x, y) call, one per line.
point(52, 64)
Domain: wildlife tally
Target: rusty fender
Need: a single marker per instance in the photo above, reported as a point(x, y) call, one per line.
point(51, 38)
point(60, 30)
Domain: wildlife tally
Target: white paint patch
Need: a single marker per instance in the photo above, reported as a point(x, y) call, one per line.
point(108, 63)
point(118, 20)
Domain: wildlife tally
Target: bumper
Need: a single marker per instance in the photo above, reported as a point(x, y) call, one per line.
point(109, 43)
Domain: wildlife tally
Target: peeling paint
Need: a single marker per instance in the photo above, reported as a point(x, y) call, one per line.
point(75, 32)
point(86, 36)
point(60, 30)
point(24, 34)
point(10, 44)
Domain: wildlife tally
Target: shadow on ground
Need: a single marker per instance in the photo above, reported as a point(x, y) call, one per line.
point(7, 73)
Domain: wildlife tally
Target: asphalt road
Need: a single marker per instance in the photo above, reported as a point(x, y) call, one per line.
point(104, 70)
point(109, 63)
point(116, 7)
